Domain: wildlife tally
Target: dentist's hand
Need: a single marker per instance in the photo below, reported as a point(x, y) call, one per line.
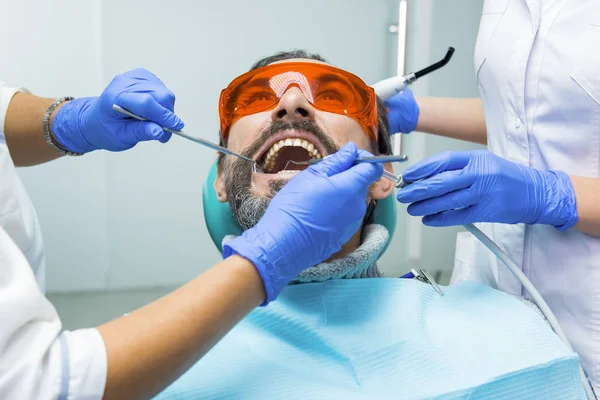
point(90, 123)
point(309, 220)
point(477, 186)
point(403, 112)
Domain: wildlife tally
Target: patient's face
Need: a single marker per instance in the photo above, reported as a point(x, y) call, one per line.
point(294, 130)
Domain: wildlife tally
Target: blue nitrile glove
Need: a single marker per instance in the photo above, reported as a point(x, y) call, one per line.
point(309, 220)
point(478, 186)
point(90, 123)
point(403, 112)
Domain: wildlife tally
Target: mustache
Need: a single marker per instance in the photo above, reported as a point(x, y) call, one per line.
point(301, 125)
point(246, 205)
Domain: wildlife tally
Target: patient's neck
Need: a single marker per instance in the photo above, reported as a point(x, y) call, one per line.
point(353, 261)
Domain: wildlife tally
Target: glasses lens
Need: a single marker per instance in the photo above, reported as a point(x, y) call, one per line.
point(251, 97)
point(335, 93)
point(327, 88)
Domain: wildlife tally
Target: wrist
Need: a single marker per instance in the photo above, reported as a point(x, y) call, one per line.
point(55, 111)
point(417, 115)
point(51, 123)
point(250, 247)
point(560, 203)
point(47, 121)
point(67, 127)
point(403, 112)
point(244, 270)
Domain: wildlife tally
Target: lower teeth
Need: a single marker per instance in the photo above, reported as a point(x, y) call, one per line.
point(267, 168)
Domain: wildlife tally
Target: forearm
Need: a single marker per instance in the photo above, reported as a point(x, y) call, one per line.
point(152, 346)
point(452, 117)
point(587, 194)
point(24, 132)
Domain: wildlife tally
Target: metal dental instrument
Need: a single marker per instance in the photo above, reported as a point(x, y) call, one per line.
point(380, 159)
point(428, 278)
point(396, 84)
point(398, 181)
point(359, 160)
point(194, 139)
point(391, 86)
point(424, 276)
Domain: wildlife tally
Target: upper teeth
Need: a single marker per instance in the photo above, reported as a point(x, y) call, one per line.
point(273, 152)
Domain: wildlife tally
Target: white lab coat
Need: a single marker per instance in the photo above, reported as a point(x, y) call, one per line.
point(538, 72)
point(37, 361)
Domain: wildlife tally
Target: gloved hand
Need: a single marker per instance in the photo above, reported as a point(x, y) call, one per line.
point(403, 112)
point(309, 220)
point(478, 186)
point(90, 123)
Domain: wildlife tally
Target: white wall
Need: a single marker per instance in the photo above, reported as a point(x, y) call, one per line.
point(52, 48)
point(433, 26)
point(134, 219)
point(156, 226)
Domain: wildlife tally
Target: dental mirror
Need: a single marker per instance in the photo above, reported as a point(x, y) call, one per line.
point(195, 139)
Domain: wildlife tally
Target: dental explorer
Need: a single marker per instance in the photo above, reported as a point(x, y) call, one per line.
point(194, 139)
point(398, 181)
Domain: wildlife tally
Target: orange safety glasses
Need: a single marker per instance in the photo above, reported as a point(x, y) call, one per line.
point(327, 88)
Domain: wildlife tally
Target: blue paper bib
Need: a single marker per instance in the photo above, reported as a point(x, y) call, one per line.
point(386, 338)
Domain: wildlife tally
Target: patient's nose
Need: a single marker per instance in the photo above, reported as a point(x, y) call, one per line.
point(293, 105)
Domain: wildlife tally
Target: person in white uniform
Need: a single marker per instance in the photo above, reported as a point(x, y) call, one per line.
point(538, 72)
point(140, 354)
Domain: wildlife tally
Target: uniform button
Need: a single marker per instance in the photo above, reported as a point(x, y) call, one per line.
point(517, 123)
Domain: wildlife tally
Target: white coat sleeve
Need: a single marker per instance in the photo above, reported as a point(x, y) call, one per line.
point(36, 360)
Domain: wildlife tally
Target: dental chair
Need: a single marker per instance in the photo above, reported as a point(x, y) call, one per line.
point(220, 221)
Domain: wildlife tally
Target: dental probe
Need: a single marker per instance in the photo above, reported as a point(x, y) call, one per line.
point(194, 139)
point(359, 160)
point(380, 159)
point(398, 181)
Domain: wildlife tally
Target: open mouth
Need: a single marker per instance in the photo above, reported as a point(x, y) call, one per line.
point(276, 155)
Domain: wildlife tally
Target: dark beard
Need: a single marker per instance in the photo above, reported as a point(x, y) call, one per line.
point(247, 206)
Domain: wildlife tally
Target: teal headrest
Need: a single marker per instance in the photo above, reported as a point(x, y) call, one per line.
point(220, 221)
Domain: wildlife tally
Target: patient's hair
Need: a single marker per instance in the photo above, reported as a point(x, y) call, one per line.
point(383, 144)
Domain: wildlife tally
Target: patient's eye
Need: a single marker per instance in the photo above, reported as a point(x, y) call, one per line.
point(255, 99)
point(330, 98)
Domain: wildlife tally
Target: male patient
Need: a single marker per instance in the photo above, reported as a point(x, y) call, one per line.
point(328, 336)
point(294, 129)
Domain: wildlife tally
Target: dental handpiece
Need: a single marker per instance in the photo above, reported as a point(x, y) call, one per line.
point(397, 180)
point(399, 183)
point(396, 84)
point(194, 139)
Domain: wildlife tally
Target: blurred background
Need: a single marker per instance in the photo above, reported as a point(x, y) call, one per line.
point(121, 229)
